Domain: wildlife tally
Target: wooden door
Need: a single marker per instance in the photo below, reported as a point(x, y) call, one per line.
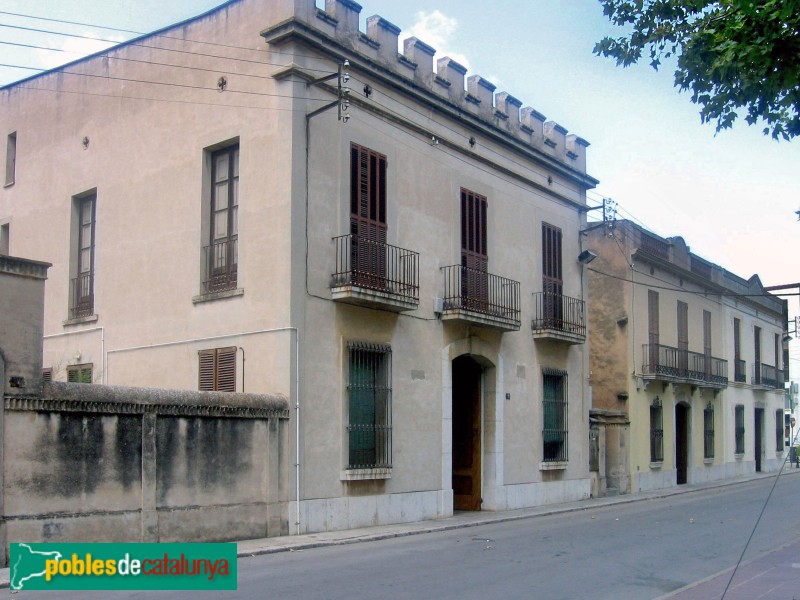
point(681, 442)
point(652, 330)
point(466, 434)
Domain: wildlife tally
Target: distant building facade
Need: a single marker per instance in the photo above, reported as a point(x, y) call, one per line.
point(223, 214)
point(691, 354)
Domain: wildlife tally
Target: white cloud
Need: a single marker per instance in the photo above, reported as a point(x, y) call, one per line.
point(436, 29)
point(73, 49)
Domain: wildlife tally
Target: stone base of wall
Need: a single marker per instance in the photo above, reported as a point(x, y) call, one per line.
point(654, 480)
point(526, 495)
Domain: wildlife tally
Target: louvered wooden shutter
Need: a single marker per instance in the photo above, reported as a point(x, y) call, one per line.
point(226, 369)
point(206, 378)
point(368, 215)
point(474, 259)
point(217, 370)
point(652, 328)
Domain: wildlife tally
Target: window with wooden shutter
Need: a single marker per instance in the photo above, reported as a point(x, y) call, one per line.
point(552, 277)
point(652, 330)
point(217, 370)
point(683, 337)
point(368, 227)
point(80, 373)
point(474, 259)
point(707, 343)
point(47, 374)
point(757, 354)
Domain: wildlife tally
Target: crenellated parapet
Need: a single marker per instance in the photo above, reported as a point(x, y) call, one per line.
point(446, 78)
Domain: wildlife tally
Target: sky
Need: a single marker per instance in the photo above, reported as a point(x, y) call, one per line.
point(731, 195)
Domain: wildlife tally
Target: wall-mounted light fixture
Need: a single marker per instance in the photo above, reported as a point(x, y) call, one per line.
point(586, 257)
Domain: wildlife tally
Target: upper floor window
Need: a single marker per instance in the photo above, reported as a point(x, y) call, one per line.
point(474, 255)
point(369, 418)
point(220, 254)
point(83, 255)
point(739, 371)
point(368, 219)
point(11, 158)
point(5, 238)
point(217, 370)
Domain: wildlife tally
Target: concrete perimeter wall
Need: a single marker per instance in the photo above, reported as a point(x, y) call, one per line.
point(94, 463)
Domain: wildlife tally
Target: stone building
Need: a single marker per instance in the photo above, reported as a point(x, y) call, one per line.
point(266, 199)
point(689, 356)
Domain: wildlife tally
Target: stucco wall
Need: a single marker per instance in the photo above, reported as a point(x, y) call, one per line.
point(111, 464)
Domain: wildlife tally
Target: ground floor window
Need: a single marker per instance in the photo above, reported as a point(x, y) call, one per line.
point(555, 420)
point(369, 422)
point(217, 371)
point(779, 440)
point(739, 423)
point(79, 373)
point(656, 432)
point(708, 431)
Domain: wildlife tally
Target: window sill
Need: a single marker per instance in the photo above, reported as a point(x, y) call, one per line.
point(657, 464)
point(365, 474)
point(9, 184)
point(708, 461)
point(556, 465)
point(80, 320)
point(217, 296)
point(738, 456)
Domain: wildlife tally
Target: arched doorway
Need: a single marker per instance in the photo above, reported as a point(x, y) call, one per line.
point(467, 435)
point(681, 442)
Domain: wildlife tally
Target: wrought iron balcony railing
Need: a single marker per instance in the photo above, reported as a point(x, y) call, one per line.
point(739, 371)
point(221, 266)
point(683, 366)
point(559, 315)
point(372, 272)
point(767, 376)
point(475, 295)
point(82, 295)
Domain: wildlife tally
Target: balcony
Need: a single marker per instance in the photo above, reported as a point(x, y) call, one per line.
point(739, 371)
point(480, 298)
point(372, 273)
point(559, 318)
point(676, 365)
point(221, 266)
point(767, 377)
point(82, 295)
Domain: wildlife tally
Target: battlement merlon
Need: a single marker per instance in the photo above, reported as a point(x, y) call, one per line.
point(379, 45)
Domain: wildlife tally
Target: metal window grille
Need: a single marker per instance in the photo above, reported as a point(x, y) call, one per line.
point(80, 373)
point(708, 432)
point(555, 416)
point(47, 374)
point(739, 422)
point(656, 432)
point(779, 433)
point(369, 428)
point(217, 370)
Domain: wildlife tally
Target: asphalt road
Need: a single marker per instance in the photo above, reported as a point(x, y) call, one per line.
point(641, 550)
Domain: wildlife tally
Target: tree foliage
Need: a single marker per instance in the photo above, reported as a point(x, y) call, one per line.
point(735, 57)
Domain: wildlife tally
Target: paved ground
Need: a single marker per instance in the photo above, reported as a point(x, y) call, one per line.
point(774, 576)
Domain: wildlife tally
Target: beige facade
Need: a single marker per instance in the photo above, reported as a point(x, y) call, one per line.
point(692, 355)
point(192, 188)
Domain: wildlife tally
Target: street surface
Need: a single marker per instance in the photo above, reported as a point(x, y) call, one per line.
point(640, 550)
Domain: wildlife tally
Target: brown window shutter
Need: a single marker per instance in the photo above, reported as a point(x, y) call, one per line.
point(226, 369)
point(206, 378)
point(47, 374)
point(72, 375)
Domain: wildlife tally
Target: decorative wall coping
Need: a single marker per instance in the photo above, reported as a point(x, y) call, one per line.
point(123, 400)
point(24, 267)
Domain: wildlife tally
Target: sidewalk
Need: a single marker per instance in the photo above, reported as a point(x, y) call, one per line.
point(468, 519)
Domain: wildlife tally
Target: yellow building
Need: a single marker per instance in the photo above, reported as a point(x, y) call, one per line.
point(690, 353)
